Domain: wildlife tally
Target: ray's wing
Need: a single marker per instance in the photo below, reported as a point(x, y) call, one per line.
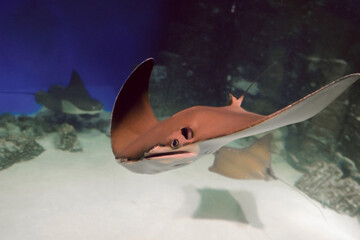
point(132, 114)
point(76, 86)
point(251, 163)
point(75, 98)
point(48, 100)
point(299, 111)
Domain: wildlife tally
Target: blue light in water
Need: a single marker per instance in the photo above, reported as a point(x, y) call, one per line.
point(42, 41)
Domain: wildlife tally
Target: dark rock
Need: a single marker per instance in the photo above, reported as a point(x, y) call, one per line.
point(15, 145)
point(318, 135)
point(6, 118)
point(67, 139)
point(18, 134)
point(349, 140)
point(31, 126)
point(50, 121)
point(18, 149)
point(326, 147)
point(324, 183)
point(103, 126)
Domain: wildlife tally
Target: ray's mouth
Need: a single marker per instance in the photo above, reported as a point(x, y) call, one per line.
point(162, 153)
point(159, 155)
point(166, 154)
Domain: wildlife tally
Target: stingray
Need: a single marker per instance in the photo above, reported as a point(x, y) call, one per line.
point(252, 163)
point(143, 144)
point(73, 99)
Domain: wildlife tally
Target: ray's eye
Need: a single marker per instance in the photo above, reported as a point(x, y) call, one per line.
point(174, 144)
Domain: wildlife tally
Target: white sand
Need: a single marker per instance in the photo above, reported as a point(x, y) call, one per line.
point(87, 195)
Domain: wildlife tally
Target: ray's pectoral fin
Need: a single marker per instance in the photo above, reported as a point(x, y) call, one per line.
point(132, 114)
point(251, 163)
point(76, 86)
point(298, 111)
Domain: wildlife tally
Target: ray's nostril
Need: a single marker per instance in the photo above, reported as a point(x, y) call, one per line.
point(187, 133)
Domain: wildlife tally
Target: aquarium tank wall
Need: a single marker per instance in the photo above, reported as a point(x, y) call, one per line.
point(63, 63)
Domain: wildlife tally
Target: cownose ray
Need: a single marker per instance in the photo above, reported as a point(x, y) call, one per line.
point(143, 144)
point(73, 99)
point(250, 163)
point(253, 162)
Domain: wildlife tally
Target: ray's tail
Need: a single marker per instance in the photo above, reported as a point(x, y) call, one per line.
point(17, 92)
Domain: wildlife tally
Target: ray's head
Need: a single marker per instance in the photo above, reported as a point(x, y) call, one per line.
point(139, 141)
point(143, 144)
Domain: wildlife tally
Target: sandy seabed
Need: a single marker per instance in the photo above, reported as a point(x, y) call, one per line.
point(87, 195)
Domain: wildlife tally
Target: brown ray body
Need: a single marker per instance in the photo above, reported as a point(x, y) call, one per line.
point(143, 144)
point(253, 162)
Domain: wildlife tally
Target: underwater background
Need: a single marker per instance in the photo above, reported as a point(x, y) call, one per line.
point(203, 51)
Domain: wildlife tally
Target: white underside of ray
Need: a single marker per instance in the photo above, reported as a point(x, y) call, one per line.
point(299, 111)
point(68, 107)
